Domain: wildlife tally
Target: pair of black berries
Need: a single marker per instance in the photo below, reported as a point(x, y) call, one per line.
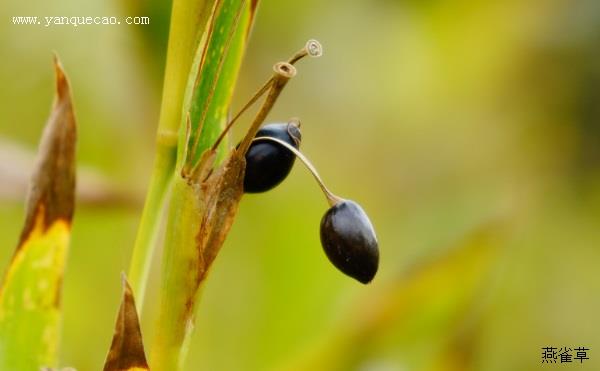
point(347, 235)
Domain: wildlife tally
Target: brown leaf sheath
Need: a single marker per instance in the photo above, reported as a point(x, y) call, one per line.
point(220, 196)
point(52, 189)
point(127, 349)
point(223, 191)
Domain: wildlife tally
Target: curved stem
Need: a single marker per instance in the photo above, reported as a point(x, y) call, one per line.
point(252, 100)
point(283, 73)
point(312, 48)
point(331, 198)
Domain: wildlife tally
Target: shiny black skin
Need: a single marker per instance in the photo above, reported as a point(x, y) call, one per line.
point(269, 163)
point(349, 241)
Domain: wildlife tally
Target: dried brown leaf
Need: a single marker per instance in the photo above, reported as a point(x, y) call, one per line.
point(127, 348)
point(30, 293)
point(53, 183)
point(221, 194)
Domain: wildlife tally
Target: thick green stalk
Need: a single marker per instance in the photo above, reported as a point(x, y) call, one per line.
point(173, 330)
point(188, 19)
point(207, 103)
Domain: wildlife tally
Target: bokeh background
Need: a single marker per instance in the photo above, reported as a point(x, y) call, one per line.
point(469, 131)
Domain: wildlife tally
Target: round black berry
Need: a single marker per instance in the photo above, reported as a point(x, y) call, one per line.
point(268, 163)
point(349, 240)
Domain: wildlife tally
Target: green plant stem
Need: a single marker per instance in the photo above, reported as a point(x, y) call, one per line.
point(188, 19)
point(181, 262)
point(151, 217)
point(185, 260)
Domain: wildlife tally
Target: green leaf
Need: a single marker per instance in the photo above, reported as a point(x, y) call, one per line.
point(30, 294)
point(213, 76)
point(127, 348)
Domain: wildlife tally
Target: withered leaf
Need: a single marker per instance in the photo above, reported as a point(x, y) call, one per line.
point(52, 187)
point(221, 195)
point(127, 349)
point(31, 288)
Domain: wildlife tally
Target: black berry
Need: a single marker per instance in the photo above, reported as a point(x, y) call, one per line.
point(349, 240)
point(268, 163)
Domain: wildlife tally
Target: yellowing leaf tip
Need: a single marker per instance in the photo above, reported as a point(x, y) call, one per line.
point(52, 186)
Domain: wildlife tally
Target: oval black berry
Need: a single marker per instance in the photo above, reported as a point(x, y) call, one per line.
point(349, 240)
point(269, 163)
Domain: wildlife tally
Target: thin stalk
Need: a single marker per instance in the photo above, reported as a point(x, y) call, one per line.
point(148, 229)
point(283, 73)
point(259, 93)
point(312, 48)
point(331, 198)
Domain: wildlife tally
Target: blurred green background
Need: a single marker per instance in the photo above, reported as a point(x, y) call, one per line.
point(468, 130)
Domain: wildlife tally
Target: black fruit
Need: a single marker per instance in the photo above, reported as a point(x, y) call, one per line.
point(349, 240)
point(269, 163)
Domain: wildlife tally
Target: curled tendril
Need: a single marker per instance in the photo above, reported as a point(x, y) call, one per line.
point(314, 48)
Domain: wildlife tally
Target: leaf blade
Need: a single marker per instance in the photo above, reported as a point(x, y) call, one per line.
point(31, 289)
point(213, 75)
